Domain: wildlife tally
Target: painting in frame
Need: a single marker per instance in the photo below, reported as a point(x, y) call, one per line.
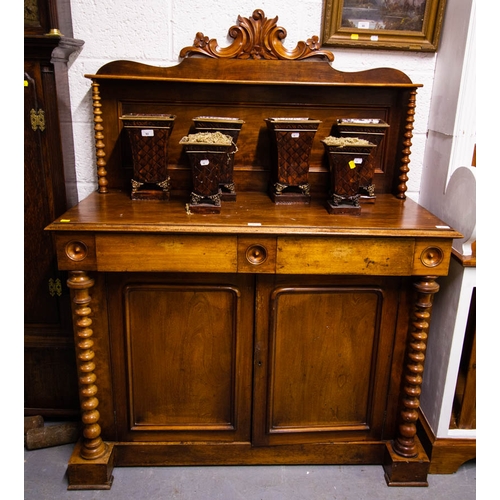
point(413, 25)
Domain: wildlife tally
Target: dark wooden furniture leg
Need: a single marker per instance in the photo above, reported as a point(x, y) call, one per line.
point(91, 463)
point(406, 463)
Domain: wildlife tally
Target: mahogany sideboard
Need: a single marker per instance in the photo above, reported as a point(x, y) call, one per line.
point(267, 333)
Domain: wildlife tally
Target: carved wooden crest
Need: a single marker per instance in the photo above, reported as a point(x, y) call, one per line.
point(256, 38)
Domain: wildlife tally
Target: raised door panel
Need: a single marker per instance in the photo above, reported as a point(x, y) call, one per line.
point(181, 347)
point(323, 359)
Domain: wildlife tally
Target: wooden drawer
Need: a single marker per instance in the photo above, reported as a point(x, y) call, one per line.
point(146, 252)
point(345, 255)
point(262, 254)
point(175, 253)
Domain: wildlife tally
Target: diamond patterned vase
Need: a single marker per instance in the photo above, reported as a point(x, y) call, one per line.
point(149, 136)
point(228, 126)
point(291, 142)
point(346, 163)
point(207, 161)
point(372, 130)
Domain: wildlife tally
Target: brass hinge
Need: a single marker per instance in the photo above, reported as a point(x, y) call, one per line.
point(55, 287)
point(37, 119)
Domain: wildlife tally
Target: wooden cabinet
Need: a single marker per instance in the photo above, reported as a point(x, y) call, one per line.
point(50, 387)
point(266, 333)
point(221, 365)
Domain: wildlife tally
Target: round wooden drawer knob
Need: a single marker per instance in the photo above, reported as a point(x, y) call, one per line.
point(76, 250)
point(431, 257)
point(256, 254)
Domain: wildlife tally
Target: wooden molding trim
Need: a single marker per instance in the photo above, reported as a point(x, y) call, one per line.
point(446, 454)
point(465, 260)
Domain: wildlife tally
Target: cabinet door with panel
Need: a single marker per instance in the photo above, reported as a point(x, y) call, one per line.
point(182, 356)
point(324, 349)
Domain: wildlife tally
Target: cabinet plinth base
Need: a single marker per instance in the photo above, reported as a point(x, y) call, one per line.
point(91, 474)
point(140, 454)
point(446, 454)
point(402, 471)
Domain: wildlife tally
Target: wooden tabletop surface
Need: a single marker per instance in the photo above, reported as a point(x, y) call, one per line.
point(251, 213)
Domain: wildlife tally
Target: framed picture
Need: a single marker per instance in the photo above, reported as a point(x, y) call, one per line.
point(413, 25)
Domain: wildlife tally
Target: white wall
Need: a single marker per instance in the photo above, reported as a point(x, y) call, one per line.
point(154, 32)
point(452, 118)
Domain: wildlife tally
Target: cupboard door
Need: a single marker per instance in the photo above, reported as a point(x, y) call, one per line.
point(322, 358)
point(43, 200)
point(181, 349)
point(50, 375)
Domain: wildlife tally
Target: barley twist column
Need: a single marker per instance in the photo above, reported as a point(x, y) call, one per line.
point(99, 143)
point(408, 135)
point(92, 443)
point(404, 444)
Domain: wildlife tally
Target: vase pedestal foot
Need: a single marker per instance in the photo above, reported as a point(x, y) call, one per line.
point(342, 209)
point(227, 193)
point(204, 204)
point(204, 208)
point(367, 199)
point(290, 199)
point(343, 204)
point(286, 194)
point(150, 194)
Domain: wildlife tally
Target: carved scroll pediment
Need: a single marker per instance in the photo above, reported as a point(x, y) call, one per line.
point(256, 38)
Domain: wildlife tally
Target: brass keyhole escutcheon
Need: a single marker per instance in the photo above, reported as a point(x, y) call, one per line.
point(76, 250)
point(256, 254)
point(431, 257)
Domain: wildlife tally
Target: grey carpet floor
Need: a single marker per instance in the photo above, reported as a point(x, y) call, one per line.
point(45, 478)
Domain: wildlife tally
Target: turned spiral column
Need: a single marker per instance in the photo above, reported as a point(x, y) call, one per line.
point(99, 143)
point(408, 135)
point(404, 444)
point(92, 443)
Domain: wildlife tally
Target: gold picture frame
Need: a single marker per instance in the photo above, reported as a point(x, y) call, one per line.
point(413, 25)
